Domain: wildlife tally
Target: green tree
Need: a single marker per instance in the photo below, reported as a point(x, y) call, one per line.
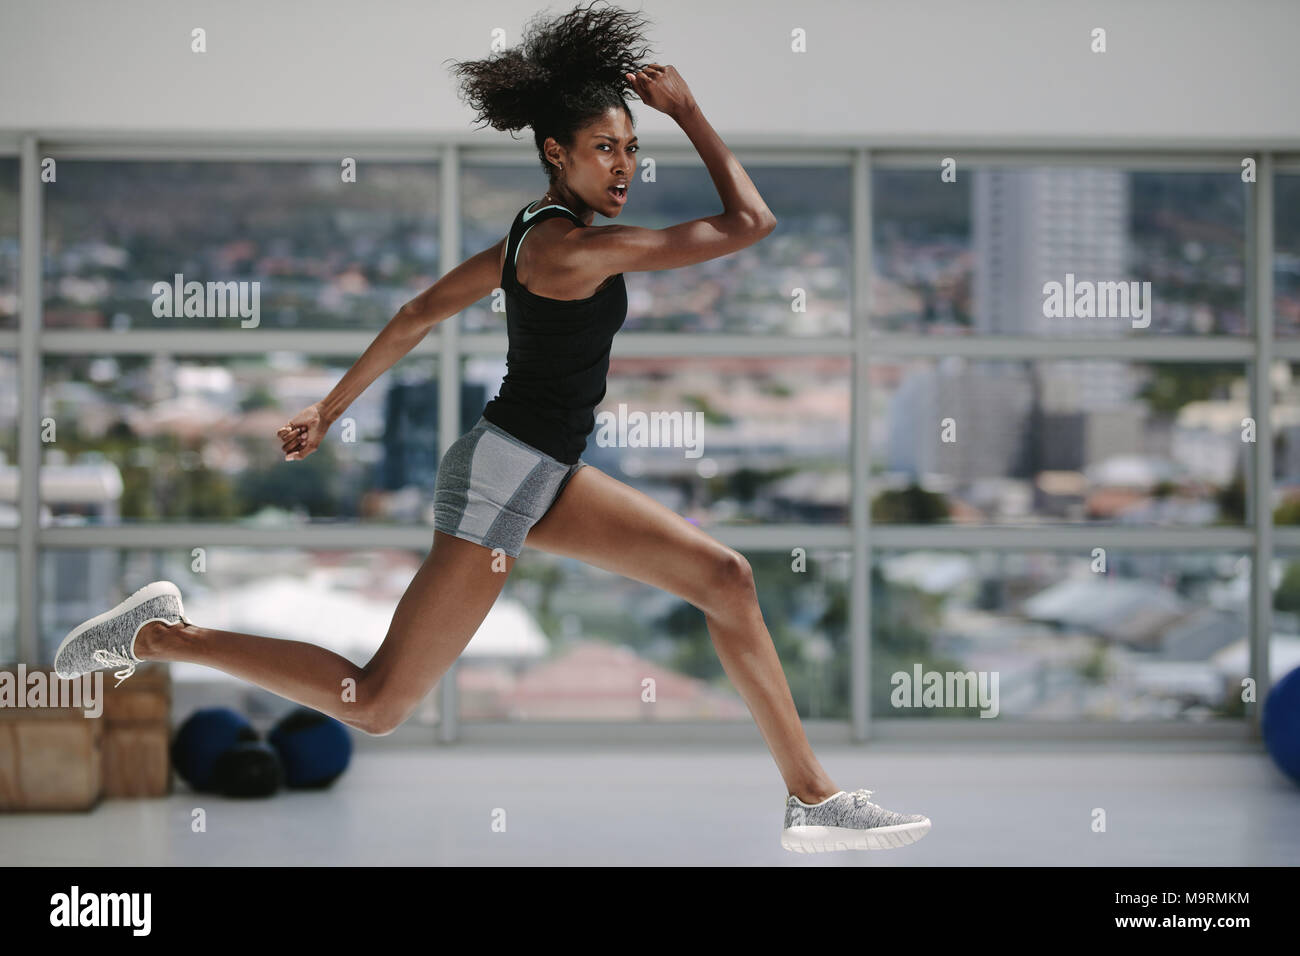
point(903, 620)
point(1173, 384)
point(1288, 512)
point(1231, 500)
point(307, 484)
point(911, 505)
point(778, 599)
point(258, 397)
point(1287, 595)
point(1094, 667)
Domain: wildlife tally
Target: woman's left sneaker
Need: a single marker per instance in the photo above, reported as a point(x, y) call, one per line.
point(848, 821)
point(108, 639)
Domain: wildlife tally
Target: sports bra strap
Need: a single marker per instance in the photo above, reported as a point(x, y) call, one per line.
point(520, 229)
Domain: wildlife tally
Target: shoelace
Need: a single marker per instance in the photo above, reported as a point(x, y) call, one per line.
point(860, 797)
point(119, 656)
point(116, 657)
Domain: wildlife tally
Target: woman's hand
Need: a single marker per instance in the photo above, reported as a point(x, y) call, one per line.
point(663, 88)
point(303, 434)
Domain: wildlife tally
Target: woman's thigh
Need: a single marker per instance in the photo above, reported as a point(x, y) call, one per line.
point(443, 606)
point(608, 524)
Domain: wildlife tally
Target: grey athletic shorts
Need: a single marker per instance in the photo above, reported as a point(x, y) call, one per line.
point(492, 487)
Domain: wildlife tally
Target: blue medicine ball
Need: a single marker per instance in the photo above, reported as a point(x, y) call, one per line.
point(250, 768)
point(1280, 724)
point(205, 736)
point(314, 748)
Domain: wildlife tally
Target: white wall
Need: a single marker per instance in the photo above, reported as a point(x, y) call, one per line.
point(997, 72)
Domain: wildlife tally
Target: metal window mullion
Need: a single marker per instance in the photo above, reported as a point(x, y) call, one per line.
point(666, 155)
point(1056, 537)
point(1174, 348)
point(1137, 161)
point(860, 591)
point(1260, 296)
point(938, 731)
point(330, 342)
point(1171, 348)
point(205, 146)
point(449, 395)
point(762, 538)
point(30, 228)
point(334, 342)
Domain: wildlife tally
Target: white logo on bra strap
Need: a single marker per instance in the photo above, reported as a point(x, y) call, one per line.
point(529, 215)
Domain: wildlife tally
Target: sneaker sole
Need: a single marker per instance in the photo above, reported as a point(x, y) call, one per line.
point(829, 839)
point(146, 593)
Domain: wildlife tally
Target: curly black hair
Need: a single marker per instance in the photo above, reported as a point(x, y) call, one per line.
point(566, 72)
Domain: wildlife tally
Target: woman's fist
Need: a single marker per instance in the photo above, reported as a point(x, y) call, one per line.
point(663, 88)
point(303, 434)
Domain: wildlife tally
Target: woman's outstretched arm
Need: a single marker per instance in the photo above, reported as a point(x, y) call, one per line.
point(460, 288)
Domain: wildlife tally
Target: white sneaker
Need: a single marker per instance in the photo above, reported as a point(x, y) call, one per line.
point(848, 821)
point(108, 639)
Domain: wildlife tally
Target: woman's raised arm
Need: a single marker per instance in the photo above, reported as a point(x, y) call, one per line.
point(745, 217)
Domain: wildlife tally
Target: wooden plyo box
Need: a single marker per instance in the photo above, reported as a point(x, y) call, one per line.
point(144, 697)
point(57, 758)
point(137, 734)
point(136, 762)
point(50, 759)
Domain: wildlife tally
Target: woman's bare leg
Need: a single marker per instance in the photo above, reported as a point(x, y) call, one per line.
point(605, 523)
point(443, 606)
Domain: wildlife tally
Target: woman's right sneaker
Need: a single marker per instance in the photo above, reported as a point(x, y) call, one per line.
point(848, 821)
point(108, 639)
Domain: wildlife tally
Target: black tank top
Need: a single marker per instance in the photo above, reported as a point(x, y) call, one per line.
point(558, 355)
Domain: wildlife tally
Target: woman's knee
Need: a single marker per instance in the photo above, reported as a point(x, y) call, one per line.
point(730, 579)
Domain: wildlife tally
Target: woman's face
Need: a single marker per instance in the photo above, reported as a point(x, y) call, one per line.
point(603, 157)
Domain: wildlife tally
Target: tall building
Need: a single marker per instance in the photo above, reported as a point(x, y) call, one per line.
point(1032, 226)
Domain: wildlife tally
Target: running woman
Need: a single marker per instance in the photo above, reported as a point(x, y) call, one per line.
point(516, 478)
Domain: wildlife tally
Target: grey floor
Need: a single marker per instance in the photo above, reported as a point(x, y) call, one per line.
point(1003, 805)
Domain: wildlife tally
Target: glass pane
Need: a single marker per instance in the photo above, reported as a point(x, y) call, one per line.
point(9, 199)
point(972, 257)
point(340, 600)
point(8, 606)
point(576, 643)
point(9, 478)
point(1058, 637)
point(1286, 443)
point(1083, 441)
point(271, 244)
point(739, 440)
point(1284, 651)
point(146, 438)
point(755, 290)
point(1286, 254)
